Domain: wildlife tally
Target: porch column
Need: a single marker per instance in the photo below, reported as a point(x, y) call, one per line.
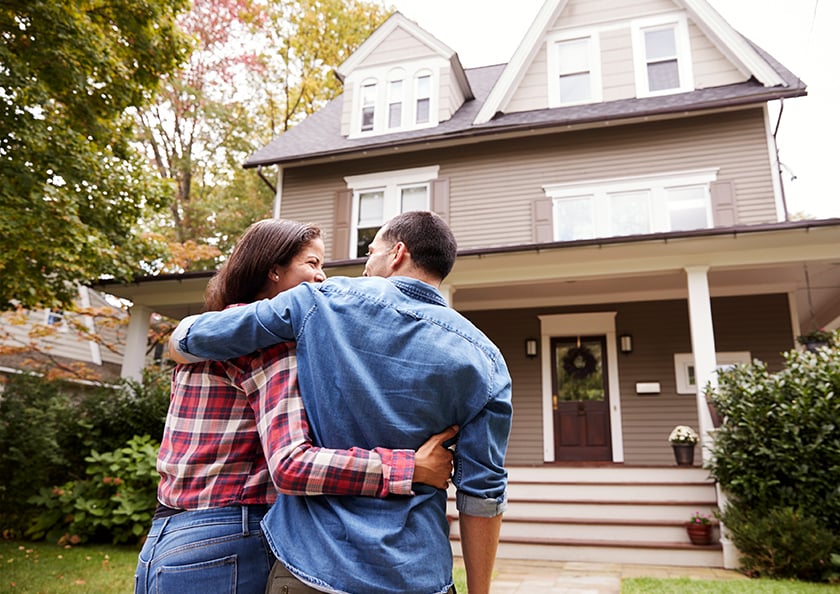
point(702, 348)
point(278, 196)
point(448, 292)
point(134, 358)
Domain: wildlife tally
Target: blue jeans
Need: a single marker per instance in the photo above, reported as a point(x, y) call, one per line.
point(216, 551)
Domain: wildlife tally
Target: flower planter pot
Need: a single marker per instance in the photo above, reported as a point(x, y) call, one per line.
point(683, 453)
point(699, 534)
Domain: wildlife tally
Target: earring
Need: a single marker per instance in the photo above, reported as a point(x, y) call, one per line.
point(277, 277)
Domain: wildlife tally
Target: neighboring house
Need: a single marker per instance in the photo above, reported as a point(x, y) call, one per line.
point(617, 199)
point(86, 343)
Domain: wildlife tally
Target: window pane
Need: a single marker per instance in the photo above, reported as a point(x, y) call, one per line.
point(687, 208)
point(395, 115)
point(371, 206)
point(364, 240)
point(368, 106)
point(574, 88)
point(422, 111)
point(415, 198)
point(574, 218)
point(660, 44)
point(629, 213)
point(663, 76)
point(424, 86)
point(574, 55)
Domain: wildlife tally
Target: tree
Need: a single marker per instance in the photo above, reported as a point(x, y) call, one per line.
point(258, 67)
point(72, 190)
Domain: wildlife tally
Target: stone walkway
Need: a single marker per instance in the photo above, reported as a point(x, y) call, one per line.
point(567, 577)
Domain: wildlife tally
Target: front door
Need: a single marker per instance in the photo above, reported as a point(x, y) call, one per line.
point(580, 398)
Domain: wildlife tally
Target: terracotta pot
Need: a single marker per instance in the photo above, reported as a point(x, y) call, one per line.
point(699, 534)
point(683, 453)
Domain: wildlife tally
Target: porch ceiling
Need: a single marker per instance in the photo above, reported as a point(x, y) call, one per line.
point(788, 259)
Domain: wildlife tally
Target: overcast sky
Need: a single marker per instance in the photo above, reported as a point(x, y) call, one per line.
point(802, 34)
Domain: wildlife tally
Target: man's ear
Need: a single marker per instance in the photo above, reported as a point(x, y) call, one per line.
point(401, 256)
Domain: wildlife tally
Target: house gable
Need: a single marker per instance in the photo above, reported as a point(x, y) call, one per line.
point(601, 45)
point(401, 78)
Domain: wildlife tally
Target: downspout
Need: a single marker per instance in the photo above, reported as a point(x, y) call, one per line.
point(778, 161)
point(277, 190)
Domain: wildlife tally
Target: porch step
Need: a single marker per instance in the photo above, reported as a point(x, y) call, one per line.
point(612, 514)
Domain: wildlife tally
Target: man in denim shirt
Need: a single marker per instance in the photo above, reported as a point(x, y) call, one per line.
point(382, 361)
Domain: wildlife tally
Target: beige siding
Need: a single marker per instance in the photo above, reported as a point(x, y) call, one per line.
point(494, 184)
point(398, 47)
point(613, 22)
point(660, 329)
point(347, 107)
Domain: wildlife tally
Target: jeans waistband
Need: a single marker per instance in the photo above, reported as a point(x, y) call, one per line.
point(248, 515)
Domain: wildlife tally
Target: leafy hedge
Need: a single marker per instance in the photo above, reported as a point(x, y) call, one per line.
point(777, 457)
point(52, 433)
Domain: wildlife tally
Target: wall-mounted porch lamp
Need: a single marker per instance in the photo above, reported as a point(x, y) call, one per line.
point(531, 347)
point(625, 343)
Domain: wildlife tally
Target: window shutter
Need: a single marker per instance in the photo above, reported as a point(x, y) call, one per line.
point(543, 220)
point(723, 204)
point(341, 224)
point(439, 199)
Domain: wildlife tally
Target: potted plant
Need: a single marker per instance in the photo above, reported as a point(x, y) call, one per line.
point(816, 339)
point(699, 528)
point(683, 439)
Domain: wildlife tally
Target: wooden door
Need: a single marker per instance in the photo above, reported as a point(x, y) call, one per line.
point(580, 398)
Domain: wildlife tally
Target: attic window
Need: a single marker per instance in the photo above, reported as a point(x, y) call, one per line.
point(55, 319)
point(574, 70)
point(394, 100)
point(662, 56)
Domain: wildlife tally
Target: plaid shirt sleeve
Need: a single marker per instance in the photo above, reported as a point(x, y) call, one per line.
point(296, 466)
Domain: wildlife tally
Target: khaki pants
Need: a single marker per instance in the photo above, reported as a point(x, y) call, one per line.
point(280, 581)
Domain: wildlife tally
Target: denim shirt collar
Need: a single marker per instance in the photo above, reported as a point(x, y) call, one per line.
point(417, 289)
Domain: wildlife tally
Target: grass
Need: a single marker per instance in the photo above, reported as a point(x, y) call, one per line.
point(690, 586)
point(44, 568)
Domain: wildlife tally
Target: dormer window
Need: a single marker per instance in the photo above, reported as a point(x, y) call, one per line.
point(395, 103)
point(368, 106)
point(395, 100)
point(574, 70)
point(662, 56)
point(423, 95)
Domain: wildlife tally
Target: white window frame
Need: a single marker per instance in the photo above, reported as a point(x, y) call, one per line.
point(658, 185)
point(683, 46)
point(409, 73)
point(424, 73)
point(396, 75)
point(684, 367)
point(391, 184)
point(553, 67)
point(363, 104)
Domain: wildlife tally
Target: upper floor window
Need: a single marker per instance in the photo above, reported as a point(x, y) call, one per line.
point(368, 106)
point(662, 56)
point(395, 99)
point(423, 99)
point(55, 319)
point(379, 197)
point(574, 71)
point(632, 206)
point(395, 103)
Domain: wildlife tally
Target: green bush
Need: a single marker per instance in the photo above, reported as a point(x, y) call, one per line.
point(777, 457)
point(49, 428)
point(115, 503)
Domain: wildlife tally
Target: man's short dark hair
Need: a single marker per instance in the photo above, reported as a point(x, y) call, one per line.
point(428, 239)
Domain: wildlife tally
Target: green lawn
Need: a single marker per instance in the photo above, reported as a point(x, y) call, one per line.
point(41, 568)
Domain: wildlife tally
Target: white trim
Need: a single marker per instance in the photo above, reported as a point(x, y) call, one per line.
point(580, 324)
point(683, 49)
point(95, 349)
point(703, 348)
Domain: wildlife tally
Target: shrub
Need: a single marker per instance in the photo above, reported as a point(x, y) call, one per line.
point(49, 427)
point(115, 503)
point(777, 456)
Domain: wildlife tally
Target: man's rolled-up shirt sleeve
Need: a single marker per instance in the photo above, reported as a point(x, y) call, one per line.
point(480, 476)
point(236, 331)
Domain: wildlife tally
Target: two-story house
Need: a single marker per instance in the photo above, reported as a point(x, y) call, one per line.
point(615, 192)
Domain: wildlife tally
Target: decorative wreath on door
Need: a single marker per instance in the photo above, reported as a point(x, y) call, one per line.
point(579, 362)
